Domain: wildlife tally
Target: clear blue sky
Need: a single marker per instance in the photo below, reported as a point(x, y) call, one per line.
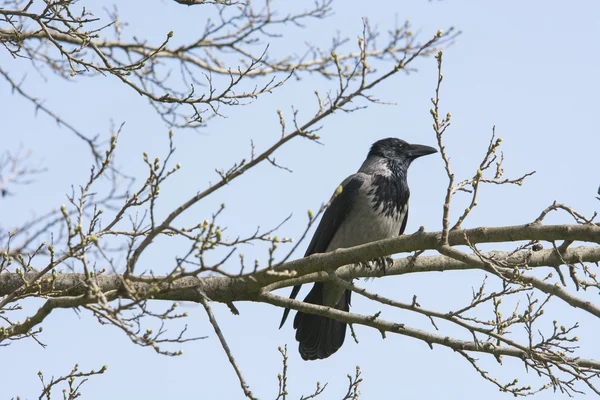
point(530, 68)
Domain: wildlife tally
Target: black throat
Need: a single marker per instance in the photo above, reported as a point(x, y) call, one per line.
point(390, 192)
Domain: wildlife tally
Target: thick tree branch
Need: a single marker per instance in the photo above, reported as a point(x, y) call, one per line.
point(310, 269)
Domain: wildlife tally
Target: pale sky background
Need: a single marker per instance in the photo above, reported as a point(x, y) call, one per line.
point(530, 68)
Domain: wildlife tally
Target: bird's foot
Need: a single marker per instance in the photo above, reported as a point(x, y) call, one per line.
point(384, 263)
point(380, 262)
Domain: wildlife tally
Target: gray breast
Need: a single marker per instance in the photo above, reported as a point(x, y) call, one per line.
point(366, 223)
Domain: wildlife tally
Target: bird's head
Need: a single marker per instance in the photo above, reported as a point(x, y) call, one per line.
point(398, 151)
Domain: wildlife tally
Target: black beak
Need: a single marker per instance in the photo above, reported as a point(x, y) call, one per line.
point(419, 150)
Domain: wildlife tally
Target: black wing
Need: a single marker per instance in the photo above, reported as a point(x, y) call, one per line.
point(403, 227)
point(331, 221)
